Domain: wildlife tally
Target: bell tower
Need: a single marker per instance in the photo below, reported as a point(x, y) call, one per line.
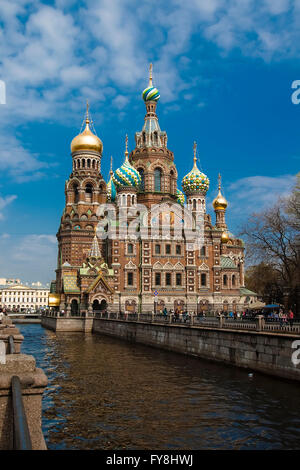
point(85, 190)
point(151, 157)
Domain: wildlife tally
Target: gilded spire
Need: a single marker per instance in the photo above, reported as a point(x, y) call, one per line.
point(195, 155)
point(126, 148)
point(111, 170)
point(87, 118)
point(219, 179)
point(150, 75)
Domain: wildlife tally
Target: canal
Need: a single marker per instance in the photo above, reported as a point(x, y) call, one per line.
point(104, 393)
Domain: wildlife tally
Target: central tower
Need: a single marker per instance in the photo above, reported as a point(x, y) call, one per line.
point(151, 157)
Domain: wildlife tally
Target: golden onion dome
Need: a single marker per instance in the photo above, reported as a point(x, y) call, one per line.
point(86, 140)
point(224, 237)
point(220, 203)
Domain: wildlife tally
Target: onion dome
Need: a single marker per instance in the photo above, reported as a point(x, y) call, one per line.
point(126, 175)
point(220, 203)
point(180, 197)
point(150, 93)
point(86, 140)
point(110, 187)
point(224, 237)
point(195, 180)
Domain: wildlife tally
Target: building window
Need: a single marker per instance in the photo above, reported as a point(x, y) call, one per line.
point(168, 249)
point(142, 185)
point(178, 250)
point(157, 249)
point(130, 248)
point(225, 280)
point(88, 192)
point(157, 179)
point(130, 279)
point(168, 279)
point(157, 279)
point(203, 279)
point(203, 251)
point(178, 279)
point(233, 280)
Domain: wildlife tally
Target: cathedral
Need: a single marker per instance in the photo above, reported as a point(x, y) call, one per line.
point(138, 243)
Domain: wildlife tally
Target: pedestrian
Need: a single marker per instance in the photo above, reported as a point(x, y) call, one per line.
point(291, 317)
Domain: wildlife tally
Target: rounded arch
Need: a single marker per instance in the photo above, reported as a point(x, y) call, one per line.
point(74, 307)
point(158, 175)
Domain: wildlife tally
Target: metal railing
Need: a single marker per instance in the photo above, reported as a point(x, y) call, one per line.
point(21, 433)
point(252, 324)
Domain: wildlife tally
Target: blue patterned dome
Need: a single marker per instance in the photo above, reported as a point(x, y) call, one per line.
point(180, 197)
point(195, 180)
point(126, 175)
point(151, 94)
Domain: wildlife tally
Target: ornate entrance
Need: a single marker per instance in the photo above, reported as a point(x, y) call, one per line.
point(99, 305)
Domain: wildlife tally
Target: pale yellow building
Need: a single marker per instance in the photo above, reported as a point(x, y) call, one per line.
point(23, 298)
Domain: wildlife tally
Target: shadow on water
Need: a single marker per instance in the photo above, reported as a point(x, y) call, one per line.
point(105, 393)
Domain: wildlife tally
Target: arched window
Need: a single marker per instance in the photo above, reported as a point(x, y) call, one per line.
point(142, 185)
point(157, 179)
point(89, 163)
point(233, 280)
point(93, 164)
point(203, 251)
point(88, 192)
point(194, 204)
point(76, 193)
point(225, 280)
point(203, 279)
point(83, 163)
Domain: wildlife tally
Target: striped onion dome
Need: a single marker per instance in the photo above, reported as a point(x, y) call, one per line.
point(180, 197)
point(150, 93)
point(126, 175)
point(195, 180)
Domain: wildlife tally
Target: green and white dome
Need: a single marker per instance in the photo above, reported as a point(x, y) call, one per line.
point(126, 175)
point(195, 180)
point(180, 197)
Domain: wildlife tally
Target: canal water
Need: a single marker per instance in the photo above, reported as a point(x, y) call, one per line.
point(104, 393)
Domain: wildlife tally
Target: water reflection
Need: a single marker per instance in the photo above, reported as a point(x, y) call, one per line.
point(104, 393)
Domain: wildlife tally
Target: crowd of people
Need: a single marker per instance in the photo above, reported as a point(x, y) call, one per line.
point(279, 315)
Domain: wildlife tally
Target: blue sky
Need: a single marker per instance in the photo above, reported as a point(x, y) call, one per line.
point(224, 70)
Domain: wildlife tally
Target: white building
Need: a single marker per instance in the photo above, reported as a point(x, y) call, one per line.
point(19, 297)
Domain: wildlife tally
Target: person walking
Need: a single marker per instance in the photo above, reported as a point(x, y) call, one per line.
point(291, 317)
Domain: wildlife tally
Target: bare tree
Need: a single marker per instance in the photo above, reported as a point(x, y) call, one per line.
point(271, 238)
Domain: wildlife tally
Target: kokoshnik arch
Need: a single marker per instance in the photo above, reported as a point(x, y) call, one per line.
point(121, 273)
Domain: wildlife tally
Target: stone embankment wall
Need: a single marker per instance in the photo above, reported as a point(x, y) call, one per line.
point(33, 382)
point(261, 351)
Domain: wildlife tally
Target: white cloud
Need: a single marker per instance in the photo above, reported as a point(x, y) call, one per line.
point(30, 257)
point(17, 162)
point(255, 193)
point(54, 57)
point(4, 202)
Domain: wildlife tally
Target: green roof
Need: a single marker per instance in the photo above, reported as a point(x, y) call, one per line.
point(227, 262)
point(70, 284)
point(245, 291)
